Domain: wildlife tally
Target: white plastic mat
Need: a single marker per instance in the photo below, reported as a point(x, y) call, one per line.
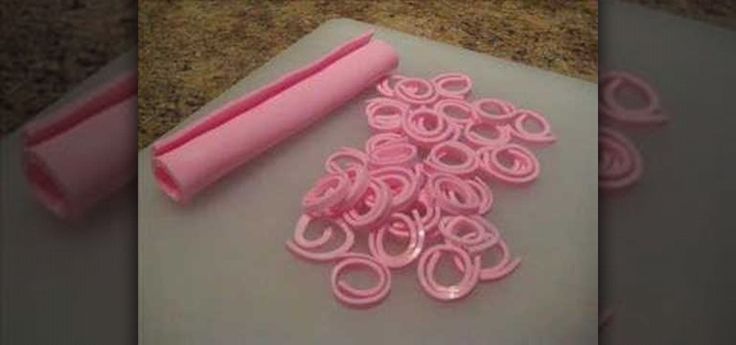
point(217, 272)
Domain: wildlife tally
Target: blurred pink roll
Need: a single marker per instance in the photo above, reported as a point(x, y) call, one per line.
point(191, 159)
point(86, 150)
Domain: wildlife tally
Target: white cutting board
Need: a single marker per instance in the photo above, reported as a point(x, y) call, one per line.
point(65, 282)
point(217, 271)
point(667, 244)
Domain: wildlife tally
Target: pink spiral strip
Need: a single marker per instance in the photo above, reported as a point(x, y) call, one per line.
point(426, 128)
point(355, 297)
point(402, 182)
point(494, 111)
point(305, 248)
point(476, 140)
point(524, 165)
point(520, 131)
point(385, 114)
point(427, 266)
point(452, 157)
point(453, 195)
point(620, 164)
point(443, 82)
point(385, 88)
point(456, 111)
point(416, 234)
point(415, 91)
point(365, 215)
point(609, 106)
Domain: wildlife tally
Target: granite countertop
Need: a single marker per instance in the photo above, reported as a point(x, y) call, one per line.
point(191, 51)
point(49, 47)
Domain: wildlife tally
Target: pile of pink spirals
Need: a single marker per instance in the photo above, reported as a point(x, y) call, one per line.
point(422, 181)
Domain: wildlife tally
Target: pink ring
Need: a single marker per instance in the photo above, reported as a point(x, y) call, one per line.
point(621, 164)
point(500, 112)
point(426, 128)
point(544, 136)
point(376, 212)
point(380, 139)
point(465, 108)
point(426, 267)
point(327, 193)
point(451, 227)
point(428, 221)
point(415, 91)
point(355, 297)
point(446, 189)
point(394, 154)
point(524, 169)
point(407, 182)
point(301, 246)
point(351, 155)
point(384, 87)
point(485, 195)
point(385, 114)
point(413, 248)
point(442, 80)
point(452, 150)
point(504, 267)
point(611, 109)
point(477, 141)
point(359, 178)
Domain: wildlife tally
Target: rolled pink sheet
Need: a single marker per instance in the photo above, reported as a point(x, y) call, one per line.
point(85, 150)
point(189, 160)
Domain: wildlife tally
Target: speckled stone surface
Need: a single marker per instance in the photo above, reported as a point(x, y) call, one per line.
point(49, 47)
point(191, 51)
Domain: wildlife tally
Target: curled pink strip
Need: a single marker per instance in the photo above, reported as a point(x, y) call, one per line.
point(385, 114)
point(524, 166)
point(426, 128)
point(415, 91)
point(365, 215)
point(303, 247)
point(344, 158)
point(476, 140)
point(359, 178)
point(620, 164)
point(394, 154)
point(456, 111)
point(484, 194)
point(468, 233)
point(426, 269)
point(494, 111)
point(415, 246)
point(443, 83)
point(355, 297)
point(404, 184)
point(649, 114)
point(385, 88)
point(542, 136)
point(502, 268)
point(380, 139)
point(453, 194)
point(428, 215)
point(452, 157)
point(328, 192)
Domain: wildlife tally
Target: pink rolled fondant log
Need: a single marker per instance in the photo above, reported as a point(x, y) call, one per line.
point(191, 159)
point(85, 150)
